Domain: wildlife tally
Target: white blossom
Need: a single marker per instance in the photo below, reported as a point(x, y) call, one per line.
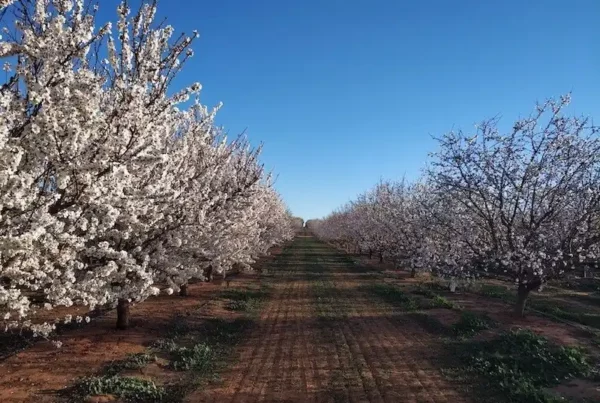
point(109, 185)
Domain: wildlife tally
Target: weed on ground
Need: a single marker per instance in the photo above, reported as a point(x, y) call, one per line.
point(518, 366)
point(130, 389)
point(471, 323)
point(244, 300)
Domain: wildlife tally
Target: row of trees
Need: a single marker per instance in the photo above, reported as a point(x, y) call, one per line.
point(523, 203)
point(114, 186)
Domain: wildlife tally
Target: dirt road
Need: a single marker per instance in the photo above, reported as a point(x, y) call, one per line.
point(323, 337)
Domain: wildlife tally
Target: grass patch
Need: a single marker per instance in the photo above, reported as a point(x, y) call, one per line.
point(130, 389)
point(200, 357)
point(244, 306)
point(436, 300)
point(393, 295)
point(442, 302)
point(244, 300)
point(471, 323)
point(133, 361)
point(518, 365)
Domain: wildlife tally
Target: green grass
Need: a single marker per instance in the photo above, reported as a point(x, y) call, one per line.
point(131, 389)
point(244, 300)
point(218, 337)
point(393, 295)
point(442, 302)
point(200, 357)
point(133, 361)
point(435, 300)
point(471, 323)
point(517, 366)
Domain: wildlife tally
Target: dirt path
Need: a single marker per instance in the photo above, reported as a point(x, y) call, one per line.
point(321, 337)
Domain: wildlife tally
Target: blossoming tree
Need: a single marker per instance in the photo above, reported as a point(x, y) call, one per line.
point(532, 195)
point(525, 203)
point(109, 184)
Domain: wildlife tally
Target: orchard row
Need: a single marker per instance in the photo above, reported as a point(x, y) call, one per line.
point(523, 203)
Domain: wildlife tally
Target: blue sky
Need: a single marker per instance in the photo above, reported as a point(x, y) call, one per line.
point(343, 93)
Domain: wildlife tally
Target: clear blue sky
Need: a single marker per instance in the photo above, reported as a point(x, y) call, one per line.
point(343, 93)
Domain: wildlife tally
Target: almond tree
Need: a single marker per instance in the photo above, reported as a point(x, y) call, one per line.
point(54, 160)
point(407, 219)
point(531, 195)
point(105, 182)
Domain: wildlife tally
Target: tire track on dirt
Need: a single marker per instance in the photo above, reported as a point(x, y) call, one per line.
point(394, 349)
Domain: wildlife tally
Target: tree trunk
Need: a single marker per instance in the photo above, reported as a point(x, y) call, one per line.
point(370, 254)
point(183, 290)
point(413, 272)
point(522, 294)
point(380, 257)
point(123, 314)
point(209, 274)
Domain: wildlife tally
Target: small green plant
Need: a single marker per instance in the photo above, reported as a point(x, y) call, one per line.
point(200, 357)
point(133, 361)
point(131, 389)
point(471, 323)
point(436, 300)
point(442, 302)
point(164, 345)
point(238, 305)
point(394, 296)
point(520, 364)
